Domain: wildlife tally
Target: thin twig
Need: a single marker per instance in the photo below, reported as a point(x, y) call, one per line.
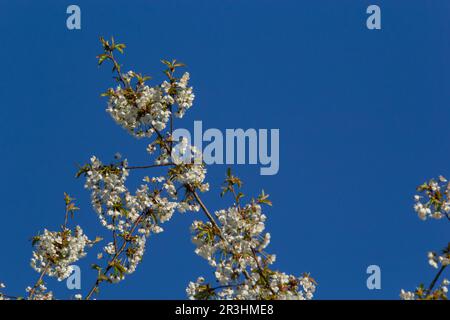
point(207, 213)
point(38, 282)
point(116, 255)
point(150, 166)
point(433, 283)
point(261, 273)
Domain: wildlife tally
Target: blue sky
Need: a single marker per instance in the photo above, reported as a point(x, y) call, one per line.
point(363, 118)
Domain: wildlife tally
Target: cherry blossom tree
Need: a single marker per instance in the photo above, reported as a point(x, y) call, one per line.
point(233, 240)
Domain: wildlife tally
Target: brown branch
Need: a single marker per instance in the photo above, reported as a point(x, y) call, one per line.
point(116, 255)
point(207, 213)
point(150, 166)
point(214, 223)
point(117, 67)
point(436, 278)
point(261, 273)
point(38, 282)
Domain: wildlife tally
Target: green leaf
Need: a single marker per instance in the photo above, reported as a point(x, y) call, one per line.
point(120, 47)
point(102, 277)
point(263, 198)
point(97, 239)
point(167, 63)
point(35, 240)
point(96, 267)
point(102, 58)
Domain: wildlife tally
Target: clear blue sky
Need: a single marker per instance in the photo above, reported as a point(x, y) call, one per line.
point(363, 118)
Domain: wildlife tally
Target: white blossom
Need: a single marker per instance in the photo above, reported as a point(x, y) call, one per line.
point(407, 295)
point(57, 251)
point(234, 255)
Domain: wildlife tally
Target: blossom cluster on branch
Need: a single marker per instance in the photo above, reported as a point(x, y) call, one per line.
point(433, 201)
point(149, 111)
point(56, 251)
point(235, 246)
point(54, 254)
point(233, 240)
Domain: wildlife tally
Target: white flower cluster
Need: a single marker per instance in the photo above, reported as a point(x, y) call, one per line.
point(107, 184)
point(39, 292)
point(57, 251)
point(234, 252)
point(193, 175)
point(435, 259)
point(2, 296)
point(407, 295)
point(184, 96)
point(190, 168)
point(135, 253)
point(118, 209)
point(145, 211)
point(435, 202)
point(421, 294)
point(146, 109)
